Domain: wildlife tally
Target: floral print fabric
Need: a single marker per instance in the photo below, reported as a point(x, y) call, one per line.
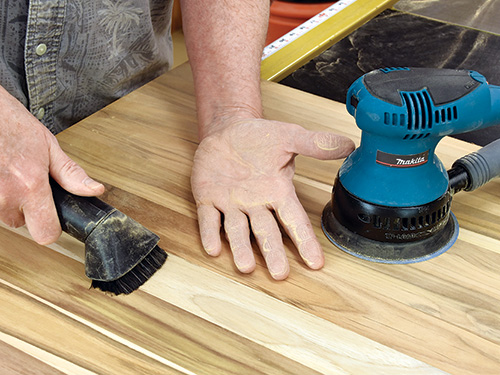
point(65, 59)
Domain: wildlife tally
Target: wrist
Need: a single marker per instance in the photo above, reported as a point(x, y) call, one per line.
point(224, 116)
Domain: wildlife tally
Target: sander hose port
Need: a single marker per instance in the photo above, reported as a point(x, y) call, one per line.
point(475, 169)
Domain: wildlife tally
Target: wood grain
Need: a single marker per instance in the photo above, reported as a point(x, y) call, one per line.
point(18, 361)
point(199, 315)
point(131, 334)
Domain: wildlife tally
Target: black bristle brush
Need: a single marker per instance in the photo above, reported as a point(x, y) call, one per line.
point(120, 254)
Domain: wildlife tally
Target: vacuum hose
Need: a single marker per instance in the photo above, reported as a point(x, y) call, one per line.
point(475, 169)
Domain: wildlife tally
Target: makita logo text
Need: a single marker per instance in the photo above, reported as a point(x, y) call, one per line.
point(413, 161)
point(402, 161)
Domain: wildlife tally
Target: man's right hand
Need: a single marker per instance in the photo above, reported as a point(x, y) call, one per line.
point(29, 153)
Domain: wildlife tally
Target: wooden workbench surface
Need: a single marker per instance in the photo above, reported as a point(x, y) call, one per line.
point(198, 315)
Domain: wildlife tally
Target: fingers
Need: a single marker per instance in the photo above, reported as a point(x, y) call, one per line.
point(27, 199)
point(264, 228)
point(70, 175)
point(40, 216)
point(321, 145)
point(238, 236)
point(258, 169)
point(39, 211)
point(29, 153)
point(209, 223)
point(298, 227)
point(268, 236)
point(42, 222)
point(12, 217)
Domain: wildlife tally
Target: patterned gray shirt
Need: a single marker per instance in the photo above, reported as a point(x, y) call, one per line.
point(65, 59)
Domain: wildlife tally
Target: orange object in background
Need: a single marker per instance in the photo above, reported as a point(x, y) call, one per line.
point(287, 15)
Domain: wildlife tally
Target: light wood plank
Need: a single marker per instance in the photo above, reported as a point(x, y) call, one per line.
point(15, 360)
point(199, 315)
point(442, 312)
point(134, 334)
point(265, 320)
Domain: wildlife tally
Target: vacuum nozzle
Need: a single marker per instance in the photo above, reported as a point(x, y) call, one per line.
point(120, 253)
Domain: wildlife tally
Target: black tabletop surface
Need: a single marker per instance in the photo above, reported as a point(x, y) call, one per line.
point(395, 38)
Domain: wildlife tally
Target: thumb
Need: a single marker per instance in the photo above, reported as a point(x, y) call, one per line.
point(322, 145)
point(69, 175)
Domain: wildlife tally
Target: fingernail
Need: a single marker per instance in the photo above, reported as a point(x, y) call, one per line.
point(210, 246)
point(313, 256)
point(280, 273)
point(90, 183)
point(314, 262)
point(211, 251)
point(244, 260)
point(277, 265)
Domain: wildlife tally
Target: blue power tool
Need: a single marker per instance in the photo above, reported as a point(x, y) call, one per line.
point(392, 197)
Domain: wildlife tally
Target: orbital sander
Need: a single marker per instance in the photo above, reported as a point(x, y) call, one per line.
point(391, 200)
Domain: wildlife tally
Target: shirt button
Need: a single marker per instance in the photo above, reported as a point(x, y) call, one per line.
point(40, 113)
point(41, 49)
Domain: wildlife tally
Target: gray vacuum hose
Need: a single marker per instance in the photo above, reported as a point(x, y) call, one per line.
point(481, 166)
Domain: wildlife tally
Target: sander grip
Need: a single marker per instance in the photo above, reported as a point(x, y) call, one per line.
point(481, 166)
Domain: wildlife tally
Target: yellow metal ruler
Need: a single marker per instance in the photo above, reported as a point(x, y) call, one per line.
point(294, 49)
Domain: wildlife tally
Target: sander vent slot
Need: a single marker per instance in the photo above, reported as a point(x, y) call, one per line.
point(445, 115)
point(393, 69)
point(394, 119)
point(419, 108)
point(406, 223)
point(416, 136)
point(420, 112)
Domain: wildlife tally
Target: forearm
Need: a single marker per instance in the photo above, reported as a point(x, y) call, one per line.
point(224, 40)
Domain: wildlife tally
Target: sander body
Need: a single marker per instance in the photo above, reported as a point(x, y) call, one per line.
point(391, 200)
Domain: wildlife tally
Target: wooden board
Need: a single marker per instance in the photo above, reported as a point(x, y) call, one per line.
point(198, 315)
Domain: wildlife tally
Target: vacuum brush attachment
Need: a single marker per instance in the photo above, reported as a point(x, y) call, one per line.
point(120, 254)
point(401, 235)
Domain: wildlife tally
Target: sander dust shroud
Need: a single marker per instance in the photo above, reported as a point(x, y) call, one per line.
point(391, 200)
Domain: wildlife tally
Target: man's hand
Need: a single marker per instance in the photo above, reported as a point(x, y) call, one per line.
point(28, 154)
point(244, 171)
point(243, 168)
